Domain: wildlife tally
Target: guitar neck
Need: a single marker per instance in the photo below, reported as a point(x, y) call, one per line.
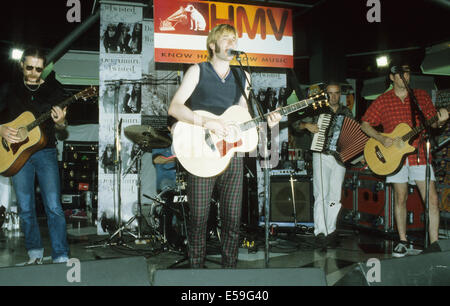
point(420, 128)
point(47, 115)
point(283, 111)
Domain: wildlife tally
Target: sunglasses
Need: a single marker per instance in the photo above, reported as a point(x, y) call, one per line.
point(38, 69)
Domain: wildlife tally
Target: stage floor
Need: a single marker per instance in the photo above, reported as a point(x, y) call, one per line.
point(288, 249)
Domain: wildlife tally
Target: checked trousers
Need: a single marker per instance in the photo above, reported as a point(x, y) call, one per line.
point(229, 186)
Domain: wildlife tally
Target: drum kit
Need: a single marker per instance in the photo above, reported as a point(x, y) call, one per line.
point(166, 216)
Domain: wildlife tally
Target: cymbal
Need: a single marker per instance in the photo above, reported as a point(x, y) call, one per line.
point(147, 137)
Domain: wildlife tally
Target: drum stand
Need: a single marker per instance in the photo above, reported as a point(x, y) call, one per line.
point(137, 159)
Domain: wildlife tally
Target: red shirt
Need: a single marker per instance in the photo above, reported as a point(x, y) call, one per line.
point(389, 110)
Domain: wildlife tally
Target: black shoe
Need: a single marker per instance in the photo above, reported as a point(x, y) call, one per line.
point(320, 241)
point(333, 240)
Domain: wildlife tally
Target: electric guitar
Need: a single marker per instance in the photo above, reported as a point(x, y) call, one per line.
point(14, 155)
point(204, 154)
point(384, 161)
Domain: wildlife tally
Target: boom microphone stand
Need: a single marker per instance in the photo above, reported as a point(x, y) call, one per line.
point(415, 105)
point(265, 163)
point(117, 168)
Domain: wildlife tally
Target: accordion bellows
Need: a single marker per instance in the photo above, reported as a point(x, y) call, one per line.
point(346, 141)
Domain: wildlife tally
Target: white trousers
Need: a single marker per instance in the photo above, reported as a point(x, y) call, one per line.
point(328, 177)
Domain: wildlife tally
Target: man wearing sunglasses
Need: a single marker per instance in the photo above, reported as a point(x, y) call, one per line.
point(30, 92)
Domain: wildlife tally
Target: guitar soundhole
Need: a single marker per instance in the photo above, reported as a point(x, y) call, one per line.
point(5, 144)
point(379, 154)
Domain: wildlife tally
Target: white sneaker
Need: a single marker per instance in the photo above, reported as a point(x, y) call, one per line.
point(34, 261)
point(400, 250)
point(61, 259)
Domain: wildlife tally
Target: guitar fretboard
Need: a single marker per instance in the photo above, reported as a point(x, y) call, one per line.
point(283, 111)
point(418, 129)
point(87, 93)
point(47, 115)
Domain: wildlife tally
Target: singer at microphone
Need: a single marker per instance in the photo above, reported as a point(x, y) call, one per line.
point(235, 52)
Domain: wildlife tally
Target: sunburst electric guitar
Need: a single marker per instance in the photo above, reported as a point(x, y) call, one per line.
point(386, 160)
point(204, 154)
point(14, 155)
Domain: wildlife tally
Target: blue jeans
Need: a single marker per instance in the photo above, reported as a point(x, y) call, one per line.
point(44, 164)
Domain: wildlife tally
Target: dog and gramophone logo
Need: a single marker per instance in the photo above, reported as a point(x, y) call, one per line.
point(184, 17)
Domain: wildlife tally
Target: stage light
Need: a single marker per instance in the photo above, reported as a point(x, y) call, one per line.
point(16, 54)
point(382, 61)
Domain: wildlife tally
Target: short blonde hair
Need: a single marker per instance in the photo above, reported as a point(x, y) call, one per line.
point(215, 34)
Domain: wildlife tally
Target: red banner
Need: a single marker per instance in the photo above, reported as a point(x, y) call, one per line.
point(181, 29)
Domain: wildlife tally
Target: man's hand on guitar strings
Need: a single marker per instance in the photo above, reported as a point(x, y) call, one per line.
point(273, 118)
point(387, 141)
point(217, 127)
point(58, 114)
point(9, 134)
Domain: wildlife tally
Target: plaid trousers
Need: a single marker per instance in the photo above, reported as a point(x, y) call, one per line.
point(199, 191)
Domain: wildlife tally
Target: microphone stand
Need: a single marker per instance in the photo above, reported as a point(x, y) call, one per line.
point(265, 163)
point(117, 169)
point(415, 104)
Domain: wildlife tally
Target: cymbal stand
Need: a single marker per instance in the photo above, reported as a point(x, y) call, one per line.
point(137, 159)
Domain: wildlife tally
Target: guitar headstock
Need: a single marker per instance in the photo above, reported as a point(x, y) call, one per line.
point(319, 100)
point(87, 93)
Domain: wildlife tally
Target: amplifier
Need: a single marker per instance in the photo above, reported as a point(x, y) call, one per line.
point(71, 201)
point(80, 151)
point(282, 200)
point(79, 167)
point(287, 172)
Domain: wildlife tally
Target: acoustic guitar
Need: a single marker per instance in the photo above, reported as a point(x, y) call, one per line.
point(204, 154)
point(387, 160)
point(14, 155)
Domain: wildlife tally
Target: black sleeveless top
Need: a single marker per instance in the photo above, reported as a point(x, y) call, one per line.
point(214, 95)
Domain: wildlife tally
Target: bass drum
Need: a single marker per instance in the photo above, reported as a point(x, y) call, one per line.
point(174, 217)
point(169, 216)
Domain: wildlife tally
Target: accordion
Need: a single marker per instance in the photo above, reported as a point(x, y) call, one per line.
point(340, 136)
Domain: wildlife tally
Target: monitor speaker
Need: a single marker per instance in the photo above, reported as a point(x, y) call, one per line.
point(241, 277)
point(281, 200)
point(430, 269)
point(132, 271)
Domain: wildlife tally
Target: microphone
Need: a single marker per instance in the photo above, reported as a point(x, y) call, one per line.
point(399, 69)
point(235, 52)
point(120, 126)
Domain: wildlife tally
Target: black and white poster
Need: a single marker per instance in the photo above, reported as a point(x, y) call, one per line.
point(133, 94)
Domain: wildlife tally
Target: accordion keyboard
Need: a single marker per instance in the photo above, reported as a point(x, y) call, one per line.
point(319, 139)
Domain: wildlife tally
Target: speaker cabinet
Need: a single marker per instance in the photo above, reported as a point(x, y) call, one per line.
point(241, 277)
point(420, 270)
point(130, 271)
point(281, 199)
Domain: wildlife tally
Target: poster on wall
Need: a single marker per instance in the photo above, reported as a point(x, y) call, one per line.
point(121, 48)
point(133, 93)
point(181, 29)
point(270, 91)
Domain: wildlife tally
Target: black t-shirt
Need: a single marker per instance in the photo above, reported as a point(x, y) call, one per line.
point(16, 98)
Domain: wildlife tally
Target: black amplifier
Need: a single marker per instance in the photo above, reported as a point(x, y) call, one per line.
point(79, 171)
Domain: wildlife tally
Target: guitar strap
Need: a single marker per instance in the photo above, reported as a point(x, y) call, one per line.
point(414, 111)
point(237, 79)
